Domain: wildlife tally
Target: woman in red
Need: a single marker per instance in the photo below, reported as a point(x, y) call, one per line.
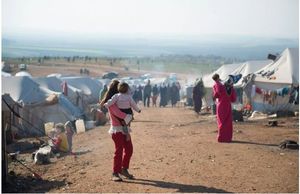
point(123, 147)
point(224, 112)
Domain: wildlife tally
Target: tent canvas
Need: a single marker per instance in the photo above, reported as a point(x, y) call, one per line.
point(248, 68)
point(35, 108)
point(245, 69)
point(88, 86)
point(4, 74)
point(54, 84)
point(282, 73)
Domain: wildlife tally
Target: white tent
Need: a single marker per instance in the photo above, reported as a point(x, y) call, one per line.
point(4, 74)
point(248, 68)
point(282, 73)
point(54, 84)
point(23, 73)
point(37, 105)
point(223, 72)
point(285, 69)
point(89, 87)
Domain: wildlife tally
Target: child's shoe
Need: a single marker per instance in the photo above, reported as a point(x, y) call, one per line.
point(115, 177)
point(125, 173)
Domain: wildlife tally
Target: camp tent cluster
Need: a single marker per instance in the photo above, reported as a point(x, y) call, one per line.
point(40, 100)
point(263, 82)
point(268, 85)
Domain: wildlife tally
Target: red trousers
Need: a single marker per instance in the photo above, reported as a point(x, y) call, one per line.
point(121, 145)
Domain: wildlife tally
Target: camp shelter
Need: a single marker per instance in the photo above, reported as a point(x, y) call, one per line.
point(249, 67)
point(273, 87)
point(89, 87)
point(39, 106)
point(23, 73)
point(244, 68)
point(55, 84)
point(4, 74)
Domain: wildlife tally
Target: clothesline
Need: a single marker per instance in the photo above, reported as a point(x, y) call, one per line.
point(270, 96)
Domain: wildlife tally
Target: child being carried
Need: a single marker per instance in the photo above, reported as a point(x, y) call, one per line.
point(124, 102)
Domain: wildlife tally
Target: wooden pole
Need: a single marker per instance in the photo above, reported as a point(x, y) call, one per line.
point(4, 156)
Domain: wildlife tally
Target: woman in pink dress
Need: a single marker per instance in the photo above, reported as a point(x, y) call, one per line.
point(224, 112)
point(123, 146)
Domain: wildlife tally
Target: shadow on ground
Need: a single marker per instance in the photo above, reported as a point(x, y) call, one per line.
point(254, 143)
point(182, 188)
point(28, 184)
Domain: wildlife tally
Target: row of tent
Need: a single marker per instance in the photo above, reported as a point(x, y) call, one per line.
point(261, 79)
point(40, 100)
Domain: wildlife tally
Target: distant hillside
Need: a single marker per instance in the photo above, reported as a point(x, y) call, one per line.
point(238, 47)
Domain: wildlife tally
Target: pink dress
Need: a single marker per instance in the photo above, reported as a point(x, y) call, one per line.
point(224, 112)
point(116, 113)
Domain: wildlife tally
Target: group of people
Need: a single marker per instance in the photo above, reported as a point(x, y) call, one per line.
point(62, 137)
point(168, 93)
point(119, 102)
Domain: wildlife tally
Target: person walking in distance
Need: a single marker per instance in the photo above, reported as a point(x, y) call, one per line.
point(147, 94)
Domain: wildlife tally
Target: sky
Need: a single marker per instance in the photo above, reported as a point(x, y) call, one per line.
point(263, 18)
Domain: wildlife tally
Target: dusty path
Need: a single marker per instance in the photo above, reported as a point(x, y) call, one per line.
point(175, 151)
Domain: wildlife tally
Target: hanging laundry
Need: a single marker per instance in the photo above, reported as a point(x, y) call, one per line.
point(269, 97)
point(235, 78)
point(285, 91)
point(282, 91)
point(273, 97)
point(258, 90)
point(279, 91)
point(294, 96)
point(266, 96)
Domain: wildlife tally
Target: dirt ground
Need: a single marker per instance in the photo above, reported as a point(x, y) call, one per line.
point(176, 151)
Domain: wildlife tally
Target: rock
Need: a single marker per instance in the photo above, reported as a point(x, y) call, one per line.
point(272, 123)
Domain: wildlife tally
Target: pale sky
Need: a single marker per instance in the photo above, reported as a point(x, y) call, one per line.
point(265, 18)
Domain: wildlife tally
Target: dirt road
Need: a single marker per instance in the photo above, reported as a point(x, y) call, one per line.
point(176, 151)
